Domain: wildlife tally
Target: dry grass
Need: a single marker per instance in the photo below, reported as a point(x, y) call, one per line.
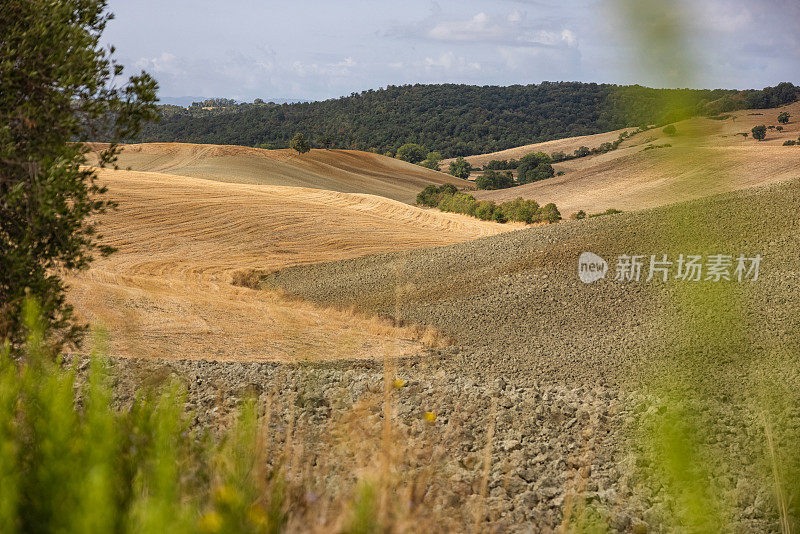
point(710, 159)
point(347, 171)
point(567, 145)
point(168, 292)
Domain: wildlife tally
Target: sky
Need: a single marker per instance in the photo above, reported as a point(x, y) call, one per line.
point(314, 50)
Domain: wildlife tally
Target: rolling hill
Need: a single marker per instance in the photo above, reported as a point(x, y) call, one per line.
point(346, 171)
point(182, 241)
point(706, 157)
point(515, 305)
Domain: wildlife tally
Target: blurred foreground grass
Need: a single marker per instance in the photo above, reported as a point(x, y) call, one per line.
point(83, 466)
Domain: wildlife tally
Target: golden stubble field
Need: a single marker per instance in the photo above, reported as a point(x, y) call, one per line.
point(168, 290)
point(346, 171)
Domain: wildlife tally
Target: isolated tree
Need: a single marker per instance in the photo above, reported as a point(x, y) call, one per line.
point(460, 168)
point(784, 117)
point(300, 144)
point(759, 132)
point(670, 130)
point(534, 167)
point(56, 86)
point(411, 152)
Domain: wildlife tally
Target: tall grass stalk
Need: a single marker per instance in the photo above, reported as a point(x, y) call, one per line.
point(71, 462)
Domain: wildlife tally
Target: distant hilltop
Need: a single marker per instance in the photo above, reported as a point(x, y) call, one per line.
point(455, 120)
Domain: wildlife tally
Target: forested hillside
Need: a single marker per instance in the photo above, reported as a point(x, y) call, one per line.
point(456, 120)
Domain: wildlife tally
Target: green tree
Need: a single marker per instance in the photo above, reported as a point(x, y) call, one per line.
point(300, 143)
point(534, 167)
point(56, 86)
point(582, 152)
point(411, 152)
point(460, 168)
point(580, 214)
point(495, 180)
point(549, 213)
point(759, 132)
point(670, 130)
point(784, 117)
point(432, 161)
point(325, 141)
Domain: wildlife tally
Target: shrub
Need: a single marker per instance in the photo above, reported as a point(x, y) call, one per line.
point(549, 213)
point(652, 147)
point(432, 161)
point(446, 198)
point(790, 142)
point(458, 203)
point(411, 152)
point(784, 117)
point(432, 195)
point(495, 180)
point(558, 156)
point(759, 132)
point(579, 215)
point(485, 210)
point(460, 168)
point(779, 128)
point(609, 211)
point(448, 189)
point(534, 167)
point(521, 210)
point(670, 130)
point(583, 151)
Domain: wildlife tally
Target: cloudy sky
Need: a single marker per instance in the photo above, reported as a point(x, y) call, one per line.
point(317, 49)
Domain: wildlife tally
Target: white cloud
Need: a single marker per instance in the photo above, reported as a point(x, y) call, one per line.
point(568, 36)
point(338, 68)
point(479, 28)
point(448, 61)
point(164, 63)
point(512, 30)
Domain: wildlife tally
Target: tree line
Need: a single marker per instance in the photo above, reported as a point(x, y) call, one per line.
point(452, 120)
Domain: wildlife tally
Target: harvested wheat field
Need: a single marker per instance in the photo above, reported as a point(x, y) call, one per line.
point(168, 291)
point(706, 157)
point(347, 171)
point(568, 145)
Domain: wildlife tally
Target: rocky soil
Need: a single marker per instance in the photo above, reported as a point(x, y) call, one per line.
point(494, 454)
